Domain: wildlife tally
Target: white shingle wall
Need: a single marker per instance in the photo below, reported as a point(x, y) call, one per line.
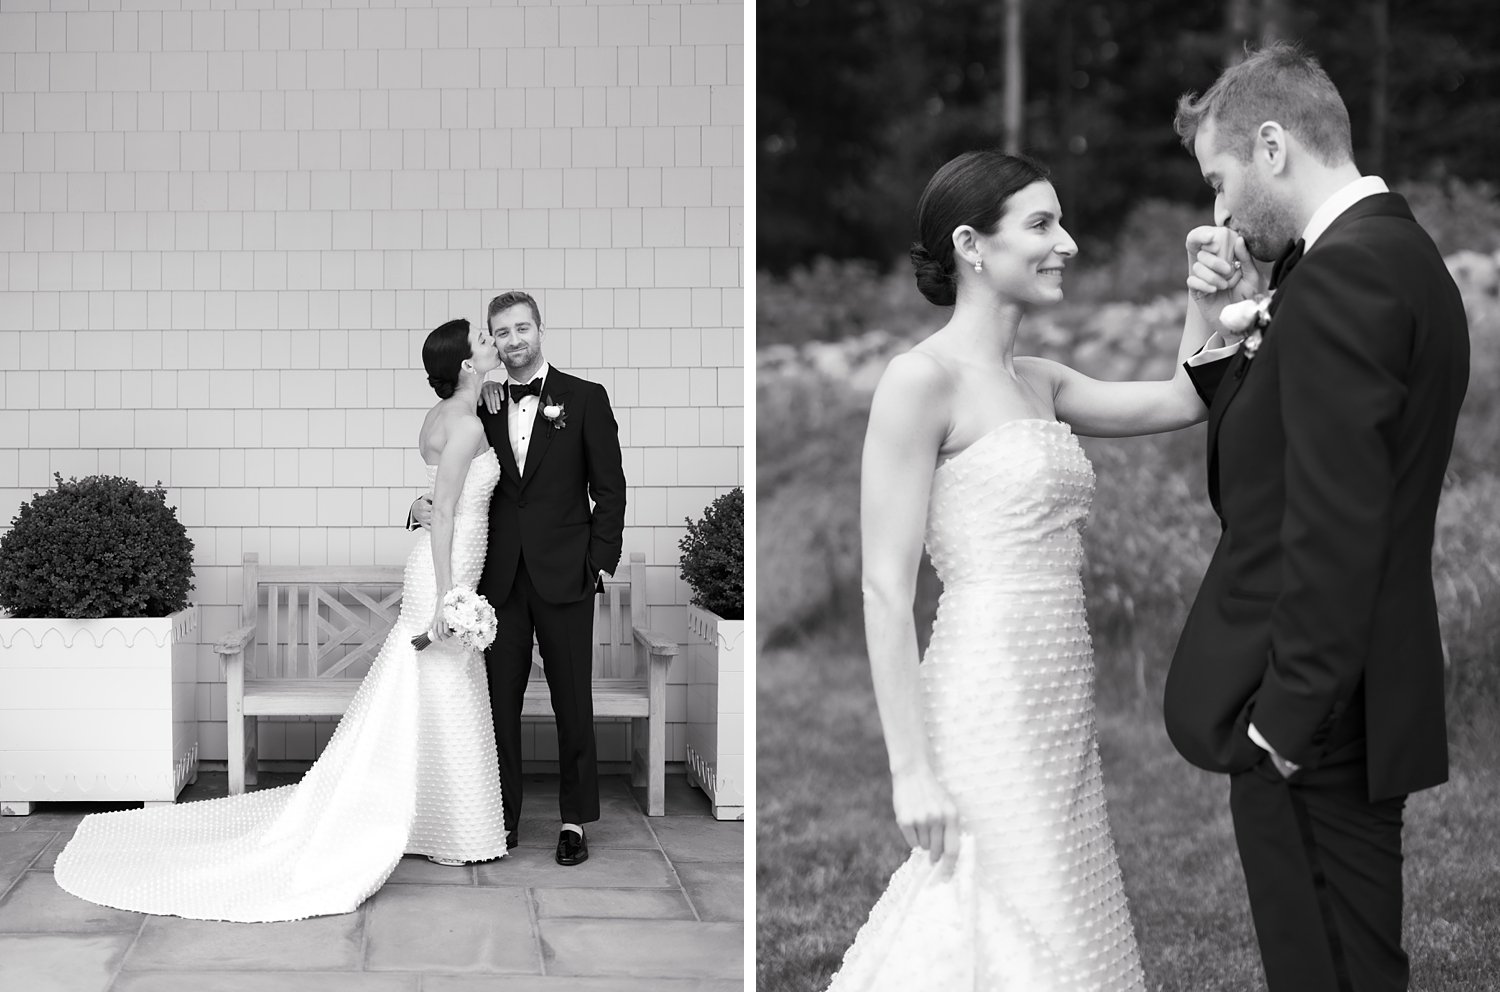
point(224, 234)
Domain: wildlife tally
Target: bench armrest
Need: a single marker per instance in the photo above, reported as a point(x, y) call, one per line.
point(235, 641)
point(657, 644)
point(231, 652)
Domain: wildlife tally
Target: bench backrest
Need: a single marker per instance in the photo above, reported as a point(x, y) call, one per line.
point(329, 621)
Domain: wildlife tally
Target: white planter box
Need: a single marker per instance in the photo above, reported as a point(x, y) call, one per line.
point(97, 710)
point(716, 711)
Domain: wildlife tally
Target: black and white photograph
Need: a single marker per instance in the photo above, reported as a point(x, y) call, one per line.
point(372, 496)
point(1127, 565)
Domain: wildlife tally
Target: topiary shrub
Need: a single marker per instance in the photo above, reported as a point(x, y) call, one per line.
point(100, 547)
point(713, 556)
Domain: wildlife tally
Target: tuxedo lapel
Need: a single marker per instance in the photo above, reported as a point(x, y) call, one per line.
point(1234, 376)
point(557, 388)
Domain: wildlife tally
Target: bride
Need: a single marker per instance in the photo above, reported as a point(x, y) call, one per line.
point(1013, 881)
point(411, 767)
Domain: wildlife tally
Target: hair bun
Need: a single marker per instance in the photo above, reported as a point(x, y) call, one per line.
point(443, 386)
point(934, 278)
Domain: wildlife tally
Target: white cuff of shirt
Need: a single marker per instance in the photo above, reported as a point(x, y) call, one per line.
point(1261, 743)
point(1215, 348)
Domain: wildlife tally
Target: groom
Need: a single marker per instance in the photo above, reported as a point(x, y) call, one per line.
point(1310, 667)
point(548, 553)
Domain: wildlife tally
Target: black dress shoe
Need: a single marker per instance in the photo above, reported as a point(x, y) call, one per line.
point(511, 839)
point(572, 848)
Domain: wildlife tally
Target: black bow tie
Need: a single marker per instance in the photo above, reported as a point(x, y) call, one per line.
point(532, 388)
point(1284, 264)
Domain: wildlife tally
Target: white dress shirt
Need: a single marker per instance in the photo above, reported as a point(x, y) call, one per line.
point(1218, 344)
point(520, 417)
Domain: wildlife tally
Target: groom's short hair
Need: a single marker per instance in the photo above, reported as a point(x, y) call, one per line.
point(1279, 82)
point(507, 300)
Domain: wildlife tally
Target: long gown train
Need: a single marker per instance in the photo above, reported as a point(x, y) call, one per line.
point(411, 768)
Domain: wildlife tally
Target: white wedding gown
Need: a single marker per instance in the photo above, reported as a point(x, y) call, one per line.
point(411, 768)
point(1033, 902)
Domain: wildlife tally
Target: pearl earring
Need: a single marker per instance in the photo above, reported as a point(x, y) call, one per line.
point(979, 265)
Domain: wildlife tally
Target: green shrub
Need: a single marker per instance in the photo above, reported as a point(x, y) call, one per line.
point(1458, 215)
point(832, 300)
point(713, 556)
point(100, 547)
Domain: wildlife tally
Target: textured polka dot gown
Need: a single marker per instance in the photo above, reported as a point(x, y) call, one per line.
point(1034, 899)
point(411, 768)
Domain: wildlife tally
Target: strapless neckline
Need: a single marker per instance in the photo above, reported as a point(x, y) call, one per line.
point(486, 451)
point(996, 431)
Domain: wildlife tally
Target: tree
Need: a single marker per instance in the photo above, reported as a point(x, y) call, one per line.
point(1015, 82)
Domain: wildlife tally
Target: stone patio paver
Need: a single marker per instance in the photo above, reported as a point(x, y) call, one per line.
point(71, 963)
point(605, 868)
point(639, 904)
point(18, 850)
point(643, 948)
point(572, 983)
point(695, 838)
point(324, 943)
point(657, 908)
point(433, 928)
point(416, 868)
point(266, 981)
point(717, 891)
point(37, 905)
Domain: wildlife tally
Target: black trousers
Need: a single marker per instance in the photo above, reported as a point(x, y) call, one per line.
point(1323, 867)
point(565, 634)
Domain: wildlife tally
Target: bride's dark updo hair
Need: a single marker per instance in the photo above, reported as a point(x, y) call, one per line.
point(971, 189)
point(443, 355)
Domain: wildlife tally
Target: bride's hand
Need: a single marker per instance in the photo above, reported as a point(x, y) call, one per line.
point(926, 813)
point(438, 630)
point(491, 393)
point(1220, 270)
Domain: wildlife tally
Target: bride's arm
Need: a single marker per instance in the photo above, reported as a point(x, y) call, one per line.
point(465, 437)
point(908, 420)
point(1121, 409)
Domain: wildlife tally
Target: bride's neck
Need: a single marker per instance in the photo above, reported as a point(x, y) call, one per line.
point(467, 392)
point(984, 332)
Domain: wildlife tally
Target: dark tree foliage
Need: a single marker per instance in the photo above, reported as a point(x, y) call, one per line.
point(99, 547)
point(713, 556)
point(860, 100)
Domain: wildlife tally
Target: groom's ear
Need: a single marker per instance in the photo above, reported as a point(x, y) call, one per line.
point(1271, 146)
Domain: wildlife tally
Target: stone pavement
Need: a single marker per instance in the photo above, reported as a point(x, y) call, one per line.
point(658, 906)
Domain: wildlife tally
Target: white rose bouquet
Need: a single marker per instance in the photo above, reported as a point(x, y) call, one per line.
point(469, 616)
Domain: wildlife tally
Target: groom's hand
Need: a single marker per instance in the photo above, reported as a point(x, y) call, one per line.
point(1220, 270)
point(421, 512)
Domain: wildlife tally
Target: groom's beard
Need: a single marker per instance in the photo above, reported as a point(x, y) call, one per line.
point(1264, 223)
point(520, 361)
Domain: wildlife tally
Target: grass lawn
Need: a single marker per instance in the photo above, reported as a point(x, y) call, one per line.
point(826, 844)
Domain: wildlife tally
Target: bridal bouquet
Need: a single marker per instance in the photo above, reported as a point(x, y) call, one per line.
point(469, 615)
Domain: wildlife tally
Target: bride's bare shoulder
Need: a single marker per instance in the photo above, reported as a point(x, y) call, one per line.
point(920, 367)
point(449, 426)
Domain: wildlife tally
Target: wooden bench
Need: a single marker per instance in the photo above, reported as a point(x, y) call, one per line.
point(307, 627)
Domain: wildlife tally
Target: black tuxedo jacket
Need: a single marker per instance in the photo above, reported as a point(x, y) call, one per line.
point(1317, 618)
point(544, 512)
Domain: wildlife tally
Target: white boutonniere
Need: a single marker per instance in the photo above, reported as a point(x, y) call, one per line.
point(556, 413)
point(1248, 318)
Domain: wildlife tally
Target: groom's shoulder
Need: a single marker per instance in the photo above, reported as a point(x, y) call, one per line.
point(576, 381)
